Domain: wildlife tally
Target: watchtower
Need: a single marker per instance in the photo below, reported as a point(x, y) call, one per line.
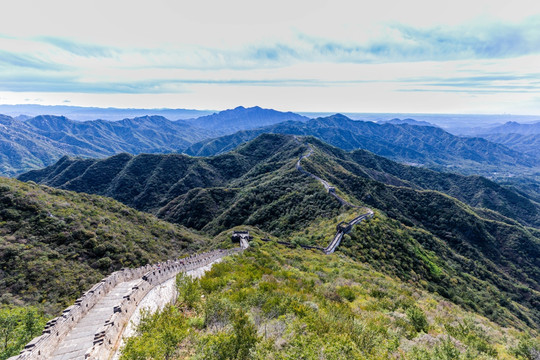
point(238, 235)
point(343, 227)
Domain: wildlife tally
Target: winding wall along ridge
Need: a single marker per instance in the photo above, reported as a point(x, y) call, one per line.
point(344, 228)
point(104, 341)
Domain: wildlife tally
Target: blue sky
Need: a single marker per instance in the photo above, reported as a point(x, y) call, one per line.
point(348, 56)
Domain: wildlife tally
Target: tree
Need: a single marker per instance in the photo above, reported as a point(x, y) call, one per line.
point(189, 291)
point(245, 335)
point(18, 325)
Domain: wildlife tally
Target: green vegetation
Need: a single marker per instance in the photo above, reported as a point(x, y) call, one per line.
point(41, 141)
point(436, 240)
point(356, 168)
point(258, 180)
point(479, 248)
point(55, 244)
point(255, 185)
point(276, 303)
point(425, 145)
point(18, 325)
point(524, 143)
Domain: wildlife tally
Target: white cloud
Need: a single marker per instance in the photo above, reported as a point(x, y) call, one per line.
point(313, 55)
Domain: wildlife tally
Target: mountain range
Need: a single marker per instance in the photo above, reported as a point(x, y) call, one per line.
point(512, 127)
point(408, 121)
point(465, 228)
point(420, 145)
point(84, 113)
point(526, 144)
point(241, 118)
point(29, 143)
point(522, 137)
point(42, 140)
point(152, 182)
point(447, 267)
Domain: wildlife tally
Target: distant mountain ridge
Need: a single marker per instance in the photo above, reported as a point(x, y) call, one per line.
point(526, 144)
point(241, 118)
point(36, 142)
point(29, 143)
point(42, 140)
point(82, 113)
point(150, 182)
point(513, 127)
point(408, 121)
point(426, 145)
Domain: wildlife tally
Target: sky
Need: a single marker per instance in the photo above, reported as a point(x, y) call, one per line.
point(414, 56)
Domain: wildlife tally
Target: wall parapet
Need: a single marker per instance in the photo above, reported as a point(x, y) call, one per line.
point(43, 346)
point(107, 338)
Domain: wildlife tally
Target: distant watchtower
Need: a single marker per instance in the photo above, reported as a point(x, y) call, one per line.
point(238, 235)
point(343, 227)
point(241, 237)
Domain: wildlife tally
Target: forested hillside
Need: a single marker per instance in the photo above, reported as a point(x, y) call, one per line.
point(40, 141)
point(55, 244)
point(277, 303)
point(420, 145)
point(466, 238)
point(169, 184)
point(524, 143)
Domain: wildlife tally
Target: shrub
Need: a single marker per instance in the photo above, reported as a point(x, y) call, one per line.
point(347, 293)
point(417, 318)
point(189, 291)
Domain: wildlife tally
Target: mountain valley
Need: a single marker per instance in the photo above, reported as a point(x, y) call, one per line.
point(258, 185)
point(436, 241)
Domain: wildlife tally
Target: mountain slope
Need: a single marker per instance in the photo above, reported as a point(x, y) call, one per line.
point(440, 239)
point(55, 244)
point(463, 249)
point(512, 127)
point(161, 183)
point(278, 303)
point(221, 191)
point(527, 144)
point(41, 140)
point(429, 146)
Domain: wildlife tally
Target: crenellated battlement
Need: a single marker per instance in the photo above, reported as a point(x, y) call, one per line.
point(108, 335)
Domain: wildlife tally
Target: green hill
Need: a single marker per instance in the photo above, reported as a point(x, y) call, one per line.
point(278, 303)
point(466, 238)
point(422, 145)
point(194, 190)
point(55, 244)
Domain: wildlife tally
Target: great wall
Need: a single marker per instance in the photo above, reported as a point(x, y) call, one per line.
point(93, 327)
point(341, 228)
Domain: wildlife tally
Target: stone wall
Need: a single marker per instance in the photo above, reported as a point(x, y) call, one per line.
point(106, 338)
